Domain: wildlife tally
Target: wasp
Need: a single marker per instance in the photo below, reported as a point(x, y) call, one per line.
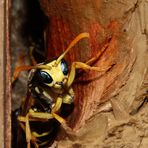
point(49, 89)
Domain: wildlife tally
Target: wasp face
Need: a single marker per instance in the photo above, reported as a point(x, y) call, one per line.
point(55, 77)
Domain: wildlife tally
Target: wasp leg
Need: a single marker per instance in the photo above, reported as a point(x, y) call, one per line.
point(80, 65)
point(35, 134)
point(45, 116)
point(56, 108)
point(33, 137)
point(102, 50)
point(68, 98)
point(51, 115)
point(28, 132)
point(40, 116)
point(57, 105)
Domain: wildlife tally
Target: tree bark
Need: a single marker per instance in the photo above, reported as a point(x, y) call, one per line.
point(122, 26)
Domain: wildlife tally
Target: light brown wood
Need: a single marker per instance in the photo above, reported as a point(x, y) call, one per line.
point(68, 19)
point(125, 83)
point(1, 74)
point(5, 78)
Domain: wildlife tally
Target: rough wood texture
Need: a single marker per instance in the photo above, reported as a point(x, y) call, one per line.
point(1, 77)
point(69, 18)
point(5, 76)
point(125, 22)
point(121, 90)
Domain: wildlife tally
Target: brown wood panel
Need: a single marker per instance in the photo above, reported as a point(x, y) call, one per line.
point(5, 76)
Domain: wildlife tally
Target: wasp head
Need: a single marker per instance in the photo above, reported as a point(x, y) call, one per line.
point(55, 76)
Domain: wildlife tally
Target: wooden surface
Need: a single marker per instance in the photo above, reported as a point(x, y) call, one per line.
point(1, 74)
point(66, 20)
point(123, 87)
point(5, 78)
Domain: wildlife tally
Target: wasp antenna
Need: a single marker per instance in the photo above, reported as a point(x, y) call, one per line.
point(42, 67)
point(77, 39)
point(18, 70)
point(24, 68)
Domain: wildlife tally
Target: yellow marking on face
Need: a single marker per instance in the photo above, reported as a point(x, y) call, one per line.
point(56, 73)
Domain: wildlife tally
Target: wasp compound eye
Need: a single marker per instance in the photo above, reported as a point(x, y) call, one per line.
point(45, 77)
point(64, 67)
